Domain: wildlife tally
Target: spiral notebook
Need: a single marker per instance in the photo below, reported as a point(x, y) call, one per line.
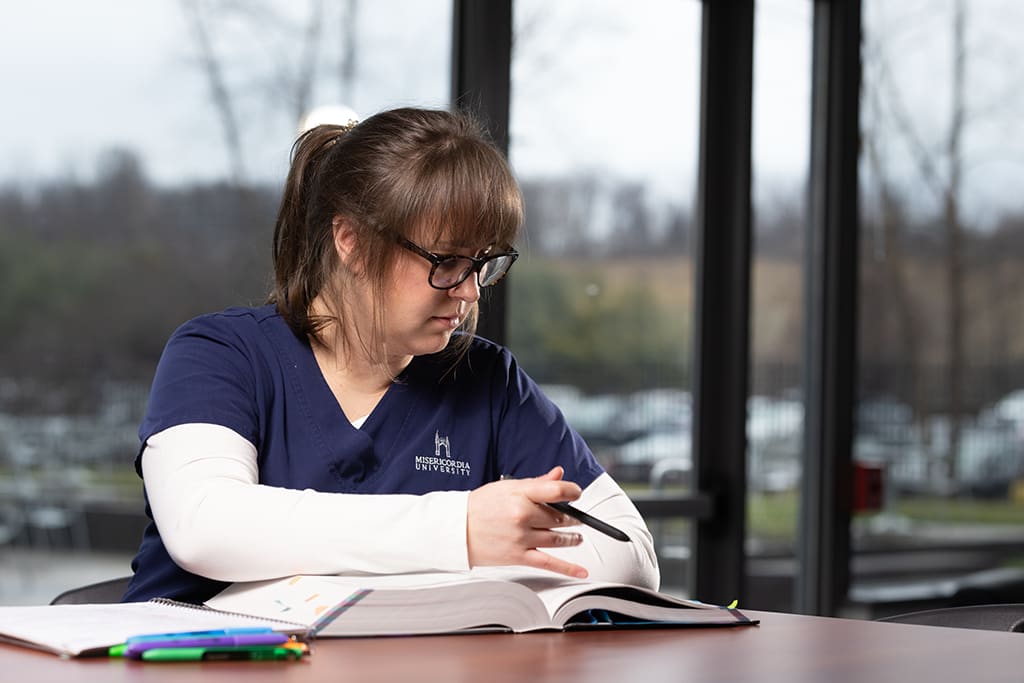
point(90, 630)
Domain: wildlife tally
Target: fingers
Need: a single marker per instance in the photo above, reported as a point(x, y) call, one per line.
point(532, 556)
point(549, 538)
point(507, 522)
point(556, 519)
point(554, 474)
point(545, 489)
point(541, 560)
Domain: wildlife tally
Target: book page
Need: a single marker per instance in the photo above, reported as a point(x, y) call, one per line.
point(307, 599)
point(555, 590)
point(390, 604)
point(565, 597)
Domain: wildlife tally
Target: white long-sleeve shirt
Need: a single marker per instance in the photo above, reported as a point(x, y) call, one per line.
point(217, 521)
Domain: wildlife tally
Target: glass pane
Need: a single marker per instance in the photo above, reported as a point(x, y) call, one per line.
point(781, 140)
point(131, 199)
point(942, 261)
point(603, 139)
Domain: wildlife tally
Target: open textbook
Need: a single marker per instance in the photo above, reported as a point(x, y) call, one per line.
point(505, 599)
point(487, 599)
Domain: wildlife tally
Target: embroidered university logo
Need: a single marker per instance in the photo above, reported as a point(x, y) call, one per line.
point(445, 464)
point(441, 441)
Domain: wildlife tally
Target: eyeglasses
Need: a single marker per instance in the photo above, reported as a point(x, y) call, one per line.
point(450, 270)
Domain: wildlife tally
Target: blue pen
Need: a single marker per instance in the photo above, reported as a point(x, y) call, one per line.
point(200, 634)
point(135, 650)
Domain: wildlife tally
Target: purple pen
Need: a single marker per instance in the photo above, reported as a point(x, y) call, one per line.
point(135, 650)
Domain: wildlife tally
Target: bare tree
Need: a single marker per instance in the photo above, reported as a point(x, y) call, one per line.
point(632, 231)
point(303, 79)
point(285, 57)
point(941, 170)
point(954, 230)
point(198, 22)
point(890, 252)
point(347, 64)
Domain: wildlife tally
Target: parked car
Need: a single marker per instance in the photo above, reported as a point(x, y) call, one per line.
point(990, 460)
point(590, 415)
point(635, 460)
point(654, 411)
point(774, 441)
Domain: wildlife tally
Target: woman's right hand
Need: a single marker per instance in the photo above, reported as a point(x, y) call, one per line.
point(507, 522)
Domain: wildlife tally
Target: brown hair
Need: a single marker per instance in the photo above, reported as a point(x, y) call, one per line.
point(410, 172)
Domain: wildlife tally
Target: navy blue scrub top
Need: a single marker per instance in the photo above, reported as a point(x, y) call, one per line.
point(435, 429)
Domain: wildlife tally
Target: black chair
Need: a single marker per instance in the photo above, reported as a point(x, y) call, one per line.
point(1003, 617)
point(996, 586)
point(103, 592)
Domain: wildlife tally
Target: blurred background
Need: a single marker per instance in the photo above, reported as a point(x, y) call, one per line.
point(143, 147)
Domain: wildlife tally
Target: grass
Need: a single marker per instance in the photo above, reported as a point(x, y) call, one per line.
point(772, 516)
point(775, 516)
point(121, 484)
point(963, 510)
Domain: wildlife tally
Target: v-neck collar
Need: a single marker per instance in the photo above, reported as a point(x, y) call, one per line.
point(316, 368)
point(310, 385)
point(320, 403)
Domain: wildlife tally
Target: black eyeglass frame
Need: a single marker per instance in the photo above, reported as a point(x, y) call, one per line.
point(478, 263)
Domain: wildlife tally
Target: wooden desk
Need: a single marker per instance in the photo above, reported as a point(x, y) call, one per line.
point(785, 648)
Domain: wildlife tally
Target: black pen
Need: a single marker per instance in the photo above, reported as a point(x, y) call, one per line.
point(589, 520)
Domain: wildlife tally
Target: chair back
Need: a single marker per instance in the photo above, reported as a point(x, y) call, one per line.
point(1003, 617)
point(102, 592)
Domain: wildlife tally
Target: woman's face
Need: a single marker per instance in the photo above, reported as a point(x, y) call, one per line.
point(419, 319)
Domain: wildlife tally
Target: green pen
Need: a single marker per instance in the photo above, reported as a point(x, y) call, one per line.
point(210, 654)
point(117, 650)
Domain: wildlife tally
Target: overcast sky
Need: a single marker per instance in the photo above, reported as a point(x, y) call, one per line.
point(83, 77)
point(599, 86)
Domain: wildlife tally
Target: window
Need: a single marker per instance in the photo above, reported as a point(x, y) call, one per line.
point(781, 139)
point(603, 137)
point(942, 260)
point(131, 199)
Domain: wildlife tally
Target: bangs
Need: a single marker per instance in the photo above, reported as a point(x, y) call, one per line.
point(463, 195)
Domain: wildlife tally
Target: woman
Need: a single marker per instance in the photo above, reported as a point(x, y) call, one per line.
point(354, 423)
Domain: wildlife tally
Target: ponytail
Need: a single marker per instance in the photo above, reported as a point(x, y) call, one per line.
point(303, 251)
